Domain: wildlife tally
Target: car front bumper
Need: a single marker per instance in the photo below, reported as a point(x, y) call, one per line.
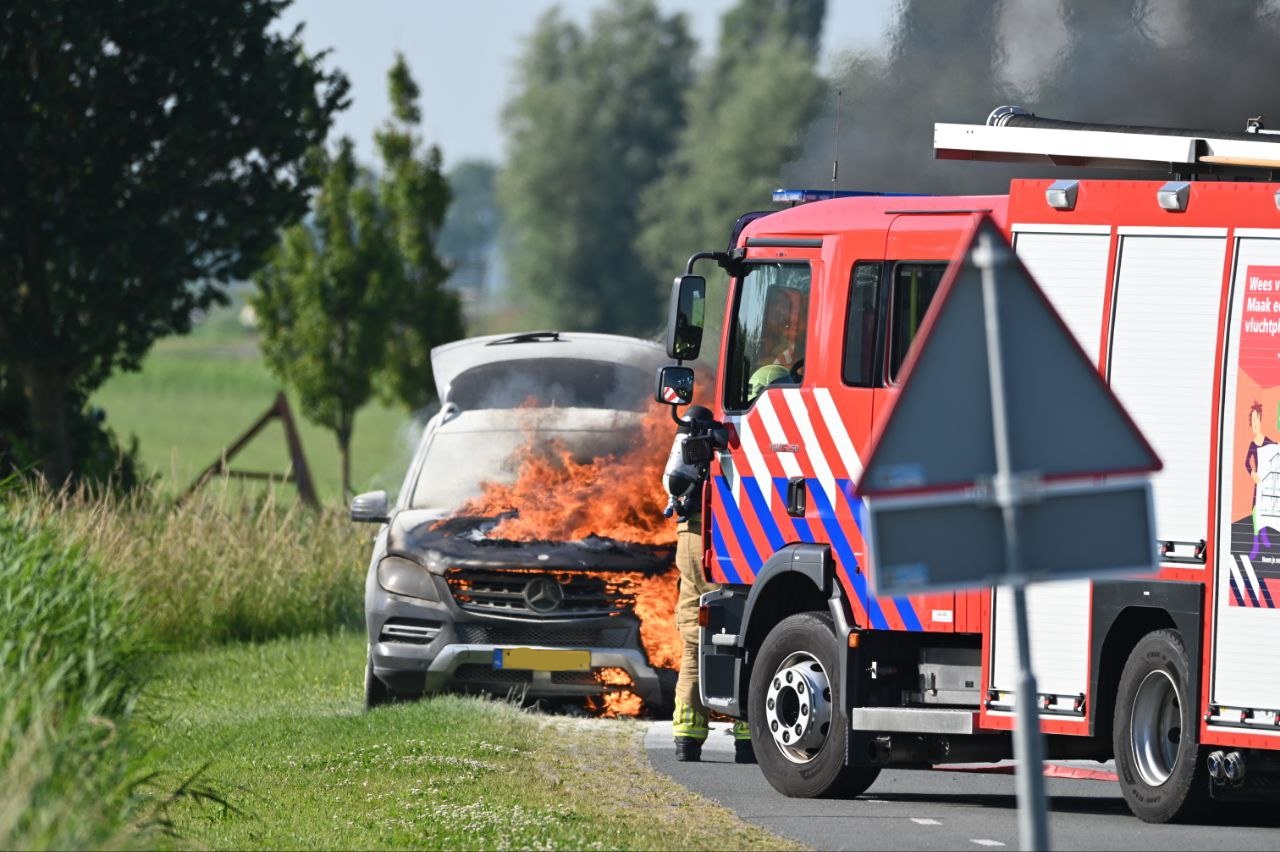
point(427, 646)
point(466, 667)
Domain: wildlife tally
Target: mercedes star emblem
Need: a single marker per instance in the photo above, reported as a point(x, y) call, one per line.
point(543, 594)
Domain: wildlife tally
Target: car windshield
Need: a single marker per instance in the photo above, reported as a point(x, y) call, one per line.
point(457, 463)
point(552, 382)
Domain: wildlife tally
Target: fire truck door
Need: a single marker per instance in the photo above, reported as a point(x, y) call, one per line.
point(1246, 590)
point(917, 251)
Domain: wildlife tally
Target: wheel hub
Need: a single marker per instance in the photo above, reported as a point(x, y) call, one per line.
point(798, 707)
point(1155, 728)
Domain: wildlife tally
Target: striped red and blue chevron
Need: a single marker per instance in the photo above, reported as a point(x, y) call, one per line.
point(1247, 588)
point(793, 433)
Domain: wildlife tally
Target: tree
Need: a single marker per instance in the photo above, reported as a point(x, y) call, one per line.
point(149, 153)
point(324, 300)
point(595, 117)
point(353, 301)
point(470, 232)
point(748, 113)
point(415, 196)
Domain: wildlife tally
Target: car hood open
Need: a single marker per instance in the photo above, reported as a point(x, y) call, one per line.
point(452, 359)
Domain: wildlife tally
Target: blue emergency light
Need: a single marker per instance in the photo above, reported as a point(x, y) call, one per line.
point(804, 196)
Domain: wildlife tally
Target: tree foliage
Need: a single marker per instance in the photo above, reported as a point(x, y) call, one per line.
point(352, 301)
point(747, 117)
point(323, 300)
point(595, 117)
point(149, 152)
point(472, 225)
point(415, 196)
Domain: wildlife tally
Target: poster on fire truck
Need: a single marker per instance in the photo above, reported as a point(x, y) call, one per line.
point(1255, 446)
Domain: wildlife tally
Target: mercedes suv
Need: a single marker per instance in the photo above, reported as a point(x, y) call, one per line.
point(452, 605)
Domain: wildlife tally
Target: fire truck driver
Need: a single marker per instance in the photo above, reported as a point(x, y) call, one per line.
point(684, 482)
point(782, 339)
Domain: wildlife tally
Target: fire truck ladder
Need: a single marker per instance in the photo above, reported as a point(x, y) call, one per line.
point(1014, 135)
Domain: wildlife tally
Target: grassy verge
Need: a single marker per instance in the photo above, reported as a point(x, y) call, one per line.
point(277, 728)
point(215, 569)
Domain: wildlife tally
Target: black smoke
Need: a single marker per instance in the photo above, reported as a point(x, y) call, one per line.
point(1175, 63)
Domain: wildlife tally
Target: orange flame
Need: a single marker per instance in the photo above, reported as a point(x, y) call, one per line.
point(618, 699)
point(656, 607)
point(557, 498)
point(620, 497)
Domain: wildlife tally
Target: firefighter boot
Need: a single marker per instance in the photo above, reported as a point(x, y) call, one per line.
point(690, 729)
point(688, 750)
point(743, 751)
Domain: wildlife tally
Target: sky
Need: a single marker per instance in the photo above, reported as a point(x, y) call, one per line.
point(462, 55)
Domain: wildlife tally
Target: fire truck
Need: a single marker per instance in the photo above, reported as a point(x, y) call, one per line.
point(1172, 287)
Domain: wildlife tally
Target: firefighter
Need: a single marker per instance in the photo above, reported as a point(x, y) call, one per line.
point(782, 338)
point(684, 482)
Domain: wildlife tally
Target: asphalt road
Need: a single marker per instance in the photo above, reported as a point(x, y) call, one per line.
point(947, 810)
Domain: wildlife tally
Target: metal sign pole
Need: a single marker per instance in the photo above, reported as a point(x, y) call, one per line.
point(1033, 817)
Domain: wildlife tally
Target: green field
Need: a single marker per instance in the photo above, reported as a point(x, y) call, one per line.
point(276, 731)
point(196, 394)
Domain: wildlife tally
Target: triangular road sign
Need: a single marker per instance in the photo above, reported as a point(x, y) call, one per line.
point(1063, 420)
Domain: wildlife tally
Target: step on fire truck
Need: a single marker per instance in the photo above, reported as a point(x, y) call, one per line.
point(1173, 288)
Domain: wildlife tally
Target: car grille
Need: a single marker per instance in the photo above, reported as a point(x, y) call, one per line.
point(514, 593)
point(575, 678)
point(479, 673)
point(534, 634)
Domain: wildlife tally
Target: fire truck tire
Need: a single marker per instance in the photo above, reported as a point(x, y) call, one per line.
point(798, 727)
point(1162, 769)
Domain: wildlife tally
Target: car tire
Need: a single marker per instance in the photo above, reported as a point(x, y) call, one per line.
point(376, 693)
point(799, 730)
point(1163, 773)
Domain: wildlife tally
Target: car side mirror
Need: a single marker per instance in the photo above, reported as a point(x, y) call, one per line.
point(675, 385)
point(688, 313)
point(370, 508)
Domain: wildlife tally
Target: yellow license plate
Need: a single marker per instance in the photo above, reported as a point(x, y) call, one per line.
point(542, 659)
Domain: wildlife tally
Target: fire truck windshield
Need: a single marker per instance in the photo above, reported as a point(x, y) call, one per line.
point(769, 331)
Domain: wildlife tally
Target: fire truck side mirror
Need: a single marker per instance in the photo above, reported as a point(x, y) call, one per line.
point(675, 385)
point(688, 312)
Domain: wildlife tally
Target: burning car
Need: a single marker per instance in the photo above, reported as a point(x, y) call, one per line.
point(526, 552)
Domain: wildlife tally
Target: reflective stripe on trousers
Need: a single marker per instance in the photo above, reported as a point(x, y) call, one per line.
point(688, 722)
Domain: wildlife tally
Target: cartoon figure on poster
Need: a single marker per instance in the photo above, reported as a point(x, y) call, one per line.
point(1255, 476)
point(1263, 464)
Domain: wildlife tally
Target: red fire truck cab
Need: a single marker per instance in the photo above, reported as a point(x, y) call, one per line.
point(1173, 288)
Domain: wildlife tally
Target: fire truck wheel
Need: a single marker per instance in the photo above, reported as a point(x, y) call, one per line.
point(1162, 770)
point(797, 725)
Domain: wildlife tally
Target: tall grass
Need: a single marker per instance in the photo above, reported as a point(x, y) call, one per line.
point(69, 645)
point(214, 568)
point(87, 581)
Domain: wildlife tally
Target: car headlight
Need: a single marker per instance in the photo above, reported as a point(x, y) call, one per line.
point(403, 577)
